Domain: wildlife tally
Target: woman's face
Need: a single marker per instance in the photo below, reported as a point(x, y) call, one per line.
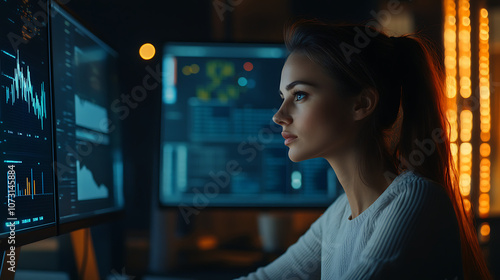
point(316, 120)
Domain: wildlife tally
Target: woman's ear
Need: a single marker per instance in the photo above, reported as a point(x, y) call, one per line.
point(364, 104)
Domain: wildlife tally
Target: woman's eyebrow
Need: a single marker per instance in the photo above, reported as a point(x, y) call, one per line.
point(294, 83)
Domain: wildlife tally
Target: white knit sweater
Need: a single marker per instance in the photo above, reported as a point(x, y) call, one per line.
point(409, 232)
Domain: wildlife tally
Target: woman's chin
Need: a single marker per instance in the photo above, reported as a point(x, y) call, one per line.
point(295, 157)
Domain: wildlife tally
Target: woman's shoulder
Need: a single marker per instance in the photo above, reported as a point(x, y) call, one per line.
point(413, 193)
point(411, 183)
point(415, 226)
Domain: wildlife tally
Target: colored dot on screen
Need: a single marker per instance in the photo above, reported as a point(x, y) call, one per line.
point(186, 70)
point(296, 180)
point(248, 66)
point(242, 81)
point(251, 83)
point(147, 51)
point(195, 68)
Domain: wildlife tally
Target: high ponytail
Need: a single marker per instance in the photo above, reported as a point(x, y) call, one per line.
point(423, 132)
point(408, 129)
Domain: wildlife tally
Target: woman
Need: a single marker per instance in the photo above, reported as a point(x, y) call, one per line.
point(371, 106)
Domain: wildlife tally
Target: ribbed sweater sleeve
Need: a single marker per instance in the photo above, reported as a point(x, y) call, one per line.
point(303, 259)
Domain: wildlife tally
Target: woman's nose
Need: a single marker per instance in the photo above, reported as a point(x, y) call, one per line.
point(282, 117)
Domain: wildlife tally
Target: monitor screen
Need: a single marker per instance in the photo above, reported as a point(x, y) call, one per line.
point(28, 201)
point(88, 151)
point(219, 145)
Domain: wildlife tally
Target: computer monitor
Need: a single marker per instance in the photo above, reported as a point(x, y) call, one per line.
point(219, 145)
point(27, 199)
point(89, 165)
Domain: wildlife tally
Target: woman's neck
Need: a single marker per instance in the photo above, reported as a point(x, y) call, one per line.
point(362, 189)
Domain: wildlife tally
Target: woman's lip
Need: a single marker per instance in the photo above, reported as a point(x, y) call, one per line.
point(289, 138)
point(288, 135)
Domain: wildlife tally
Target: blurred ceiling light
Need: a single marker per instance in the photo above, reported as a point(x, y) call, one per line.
point(147, 51)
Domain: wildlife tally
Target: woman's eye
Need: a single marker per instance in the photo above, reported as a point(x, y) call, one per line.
point(299, 96)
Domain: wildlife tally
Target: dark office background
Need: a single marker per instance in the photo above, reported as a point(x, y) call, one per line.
point(125, 25)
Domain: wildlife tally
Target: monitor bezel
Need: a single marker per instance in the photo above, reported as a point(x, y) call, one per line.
point(88, 219)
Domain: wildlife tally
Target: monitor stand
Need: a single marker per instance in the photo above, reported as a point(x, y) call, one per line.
point(9, 266)
point(83, 248)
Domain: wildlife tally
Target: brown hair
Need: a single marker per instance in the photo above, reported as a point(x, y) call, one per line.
point(405, 73)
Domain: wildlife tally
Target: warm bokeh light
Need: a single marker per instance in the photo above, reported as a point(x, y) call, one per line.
point(484, 204)
point(464, 184)
point(466, 149)
point(484, 175)
point(464, 48)
point(485, 136)
point(485, 150)
point(467, 205)
point(485, 229)
point(465, 167)
point(484, 116)
point(484, 13)
point(465, 125)
point(462, 101)
point(147, 51)
point(207, 242)
point(465, 116)
point(450, 59)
